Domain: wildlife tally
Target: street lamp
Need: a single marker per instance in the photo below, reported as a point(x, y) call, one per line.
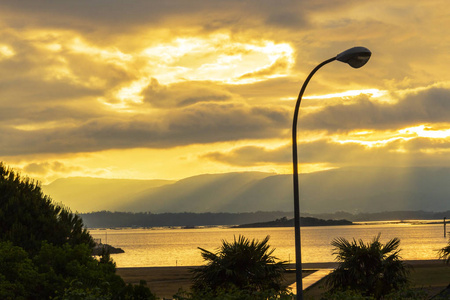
point(356, 57)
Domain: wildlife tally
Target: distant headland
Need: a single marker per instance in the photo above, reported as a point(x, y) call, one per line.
point(107, 219)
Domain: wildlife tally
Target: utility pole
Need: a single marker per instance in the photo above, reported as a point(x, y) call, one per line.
point(445, 228)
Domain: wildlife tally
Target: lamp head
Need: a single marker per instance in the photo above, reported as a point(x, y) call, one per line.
point(356, 57)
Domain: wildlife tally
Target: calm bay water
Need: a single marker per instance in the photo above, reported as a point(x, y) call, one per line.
point(172, 247)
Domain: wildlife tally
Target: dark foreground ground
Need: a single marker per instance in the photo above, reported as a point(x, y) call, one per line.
point(431, 275)
point(166, 281)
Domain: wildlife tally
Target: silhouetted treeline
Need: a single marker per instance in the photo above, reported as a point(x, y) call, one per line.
point(105, 219)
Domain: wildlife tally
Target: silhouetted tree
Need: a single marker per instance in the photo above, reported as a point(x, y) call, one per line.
point(28, 217)
point(45, 251)
point(242, 264)
point(373, 268)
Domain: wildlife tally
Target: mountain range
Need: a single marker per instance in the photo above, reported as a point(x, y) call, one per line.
point(355, 189)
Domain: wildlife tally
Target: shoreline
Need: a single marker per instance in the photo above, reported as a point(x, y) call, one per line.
point(313, 265)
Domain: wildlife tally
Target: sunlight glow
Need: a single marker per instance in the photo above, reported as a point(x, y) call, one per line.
point(54, 47)
point(112, 55)
point(6, 51)
point(312, 167)
point(424, 131)
point(379, 139)
point(415, 90)
point(218, 58)
point(132, 92)
point(371, 144)
point(362, 133)
point(374, 93)
point(42, 126)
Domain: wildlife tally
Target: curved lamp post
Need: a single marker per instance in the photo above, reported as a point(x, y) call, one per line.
point(356, 57)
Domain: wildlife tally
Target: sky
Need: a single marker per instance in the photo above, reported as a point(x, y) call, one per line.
point(170, 89)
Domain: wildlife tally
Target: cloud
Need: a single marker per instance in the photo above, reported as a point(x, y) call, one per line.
point(287, 19)
point(81, 76)
point(399, 152)
point(76, 95)
point(44, 168)
point(252, 155)
point(183, 93)
point(200, 123)
point(118, 13)
point(280, 66)
point(429, 106)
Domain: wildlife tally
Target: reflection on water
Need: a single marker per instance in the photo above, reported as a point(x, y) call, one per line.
point(171, 247)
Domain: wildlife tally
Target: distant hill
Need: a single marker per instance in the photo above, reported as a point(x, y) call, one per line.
point(84, 194)
point(107, 219)
point(348, 189)
point(229, 192)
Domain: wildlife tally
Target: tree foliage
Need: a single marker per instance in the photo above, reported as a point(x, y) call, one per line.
point(18, 274)
point(233, 293)
point(373, 269)
point(404, 294)
point(45, 251)
point(27, 216)
point(243, 264)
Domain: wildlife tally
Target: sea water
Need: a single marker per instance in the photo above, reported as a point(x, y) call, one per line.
point(180, 247)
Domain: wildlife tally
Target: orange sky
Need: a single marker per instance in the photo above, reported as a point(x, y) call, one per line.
point(170, 89)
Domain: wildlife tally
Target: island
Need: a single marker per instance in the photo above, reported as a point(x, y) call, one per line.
point(100, 248)
point(304, 221)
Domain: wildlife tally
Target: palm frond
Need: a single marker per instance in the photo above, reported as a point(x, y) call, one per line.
point(371, 268)
point(242, 263)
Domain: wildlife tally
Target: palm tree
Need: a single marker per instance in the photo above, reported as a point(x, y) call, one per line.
point(242, 264)
point(444, 253)
point(372, 269)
